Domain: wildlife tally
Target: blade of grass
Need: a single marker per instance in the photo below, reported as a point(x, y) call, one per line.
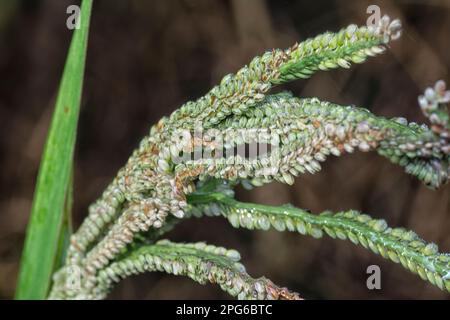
point(47, 214)
point(66, 230)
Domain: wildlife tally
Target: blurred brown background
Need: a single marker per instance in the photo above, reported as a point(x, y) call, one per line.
point(146, 58)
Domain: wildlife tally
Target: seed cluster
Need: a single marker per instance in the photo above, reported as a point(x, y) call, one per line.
point(149, 194)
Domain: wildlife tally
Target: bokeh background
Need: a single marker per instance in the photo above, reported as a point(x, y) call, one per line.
point(146, 58)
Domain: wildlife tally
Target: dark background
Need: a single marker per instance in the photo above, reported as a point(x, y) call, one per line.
point(146, 58)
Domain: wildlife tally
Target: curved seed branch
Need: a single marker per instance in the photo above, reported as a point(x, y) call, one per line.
point(398, 245)
point(332, 50)
point(237, 93)
point(201, 262)
point(307, 131)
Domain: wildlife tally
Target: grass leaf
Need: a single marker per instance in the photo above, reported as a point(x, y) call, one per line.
point(46, 226)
